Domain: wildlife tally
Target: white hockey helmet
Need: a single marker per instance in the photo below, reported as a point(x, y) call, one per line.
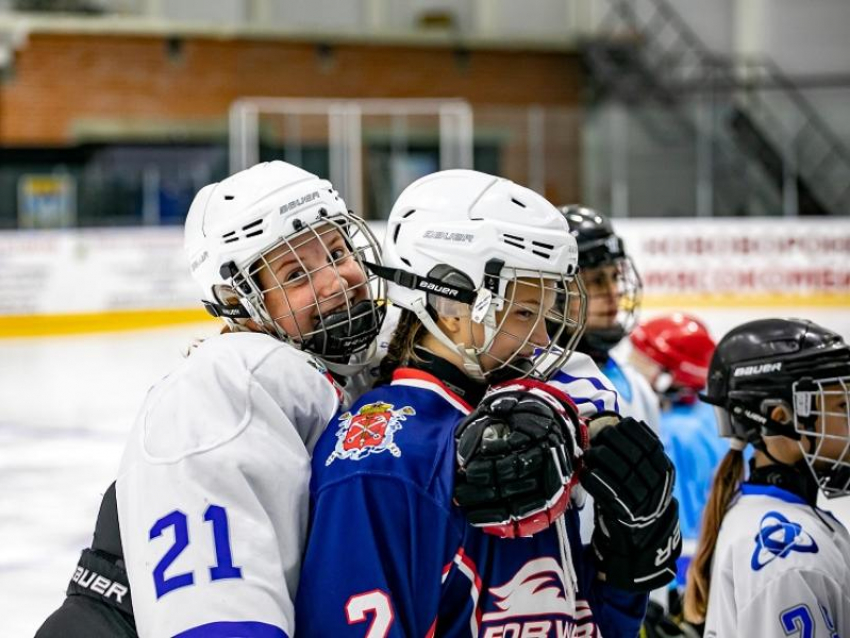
point(459, 237)
point(232, 229)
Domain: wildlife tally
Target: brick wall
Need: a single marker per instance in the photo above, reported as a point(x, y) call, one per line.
point(60, 78)
point(61, 83)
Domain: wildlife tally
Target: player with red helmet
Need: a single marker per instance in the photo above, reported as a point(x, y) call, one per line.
point(673, 352)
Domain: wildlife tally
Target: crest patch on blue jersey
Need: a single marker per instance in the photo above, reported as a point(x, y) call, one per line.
point(777, 538)
point(370, 431)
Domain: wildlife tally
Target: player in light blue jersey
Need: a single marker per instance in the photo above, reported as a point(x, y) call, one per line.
point(770, 563)
point(673, 352)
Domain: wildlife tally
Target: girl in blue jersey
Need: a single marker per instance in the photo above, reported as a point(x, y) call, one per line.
point(770, 563)
point(477, 263)
point(673, 351)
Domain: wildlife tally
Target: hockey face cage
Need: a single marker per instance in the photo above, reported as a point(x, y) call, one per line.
point(492, 305)
point(822, 415)
point(561, 325)
point(333, 327)
point(629, 290)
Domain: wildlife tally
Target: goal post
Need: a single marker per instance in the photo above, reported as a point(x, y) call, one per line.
point(369, 148)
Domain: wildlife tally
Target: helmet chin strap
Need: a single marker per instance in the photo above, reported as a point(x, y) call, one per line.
point(470, 361)
point(346, 369)
point(364, 358)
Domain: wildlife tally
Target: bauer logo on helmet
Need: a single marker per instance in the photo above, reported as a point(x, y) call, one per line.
point(764, 368)
point(295, 203)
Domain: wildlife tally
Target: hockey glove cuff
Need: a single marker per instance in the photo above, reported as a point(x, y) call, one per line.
point(638, 559)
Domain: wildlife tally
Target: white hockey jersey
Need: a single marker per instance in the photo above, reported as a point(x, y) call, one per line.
point(779, 570)
point(213, 488)
point(634, 398)
point(213, 485)
point(637, 398)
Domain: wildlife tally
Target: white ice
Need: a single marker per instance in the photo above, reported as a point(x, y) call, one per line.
point(66, 405)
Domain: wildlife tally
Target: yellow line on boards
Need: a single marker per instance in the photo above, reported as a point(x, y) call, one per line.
point(743, 301)
point(14, 326)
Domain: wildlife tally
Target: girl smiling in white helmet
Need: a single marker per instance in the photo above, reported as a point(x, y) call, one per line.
point(212, 488)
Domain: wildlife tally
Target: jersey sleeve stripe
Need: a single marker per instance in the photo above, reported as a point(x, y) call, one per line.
point(581, 389)
point(599, 404)
point(225, 629)
point(468, 569)
point(566, 378)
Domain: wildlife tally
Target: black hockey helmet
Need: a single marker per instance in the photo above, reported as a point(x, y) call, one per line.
point(792, 363)
point(598, 246)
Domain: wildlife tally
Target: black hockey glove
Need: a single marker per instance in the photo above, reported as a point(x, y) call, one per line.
point(626, 471)
point(638, 559)
point(517, 456)
point(636, 540)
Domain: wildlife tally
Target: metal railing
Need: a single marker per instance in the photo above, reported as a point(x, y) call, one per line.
point(758, 110)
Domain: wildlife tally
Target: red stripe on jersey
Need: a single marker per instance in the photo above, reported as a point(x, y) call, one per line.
point(423, 378)
point(446, 569)
point(337, 388)
point(466, 560)
point(468, 569)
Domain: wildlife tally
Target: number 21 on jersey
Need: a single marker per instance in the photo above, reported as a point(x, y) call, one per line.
point(799, 621)
point(177, 520)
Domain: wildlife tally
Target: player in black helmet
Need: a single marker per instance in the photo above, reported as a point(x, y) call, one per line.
point(613, 299)
point(610, 277)
point(778, 565)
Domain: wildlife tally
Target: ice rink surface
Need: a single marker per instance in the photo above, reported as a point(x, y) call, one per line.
point(66, 405)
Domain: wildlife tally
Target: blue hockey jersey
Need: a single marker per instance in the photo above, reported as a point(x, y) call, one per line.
point(689, 433)
point(389, 555)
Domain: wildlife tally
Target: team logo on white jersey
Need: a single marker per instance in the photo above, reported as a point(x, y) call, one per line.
point(777, 538)
point(370, 431)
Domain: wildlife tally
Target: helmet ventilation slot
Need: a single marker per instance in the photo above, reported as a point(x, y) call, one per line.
point(231, 237)
point(520, 242)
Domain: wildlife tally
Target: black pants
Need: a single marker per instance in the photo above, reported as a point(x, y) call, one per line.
point(85, 617)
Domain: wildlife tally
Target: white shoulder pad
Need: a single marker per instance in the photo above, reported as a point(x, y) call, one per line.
point(213, 395)
point(643, 404)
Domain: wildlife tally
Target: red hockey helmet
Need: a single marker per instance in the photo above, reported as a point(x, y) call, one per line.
point(680, 344)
